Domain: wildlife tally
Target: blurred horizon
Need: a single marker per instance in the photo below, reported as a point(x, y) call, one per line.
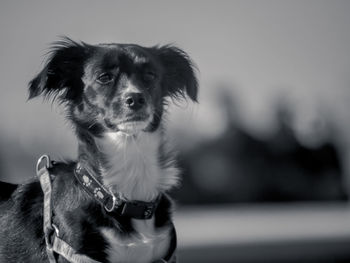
point(262, 54)
point(265, 155)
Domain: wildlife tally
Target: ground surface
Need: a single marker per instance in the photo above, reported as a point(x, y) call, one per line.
point(265, 233)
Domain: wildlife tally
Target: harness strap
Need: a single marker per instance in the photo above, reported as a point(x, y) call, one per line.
point(54, 244)
point(66, 251)
point(45, 182)
point(171, 256)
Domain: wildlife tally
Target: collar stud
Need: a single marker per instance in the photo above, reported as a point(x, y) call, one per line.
point(111, 202)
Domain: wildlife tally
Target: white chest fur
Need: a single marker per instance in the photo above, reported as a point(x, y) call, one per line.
point(132, 168)
point(132, 165)
point(143, 246)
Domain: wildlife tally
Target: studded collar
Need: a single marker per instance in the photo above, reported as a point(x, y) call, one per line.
point(111, 202)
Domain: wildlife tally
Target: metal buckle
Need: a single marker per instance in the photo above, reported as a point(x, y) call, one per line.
point(41, 159)
point(57, 231)
point(148, 212)
point(49, 238)
point(114, 199)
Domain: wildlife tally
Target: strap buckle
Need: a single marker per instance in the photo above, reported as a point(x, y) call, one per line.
point(114, 201)
point(50, 238)
point(117, 201)
point(40, 162)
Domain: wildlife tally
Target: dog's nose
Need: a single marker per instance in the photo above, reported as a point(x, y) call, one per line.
point(135, 100)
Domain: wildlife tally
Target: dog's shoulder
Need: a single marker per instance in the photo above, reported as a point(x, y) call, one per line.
point(27, 197)
point(24, 202)
point(21, 224)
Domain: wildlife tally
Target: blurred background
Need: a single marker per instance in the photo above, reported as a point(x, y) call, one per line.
point(265, 155)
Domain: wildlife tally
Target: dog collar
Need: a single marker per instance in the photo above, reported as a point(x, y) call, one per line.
point(111, 202)
point(54, 243)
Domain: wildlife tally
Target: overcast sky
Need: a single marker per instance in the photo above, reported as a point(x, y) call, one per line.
point(262, 48)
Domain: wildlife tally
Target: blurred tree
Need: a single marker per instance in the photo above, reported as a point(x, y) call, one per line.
point(238, 167)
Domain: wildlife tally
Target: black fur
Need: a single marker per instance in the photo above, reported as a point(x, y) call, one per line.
point(77, 215)
point(6, 190)
point(62, 75)
point(168, 72)
point(62, 72)
point(179, 75)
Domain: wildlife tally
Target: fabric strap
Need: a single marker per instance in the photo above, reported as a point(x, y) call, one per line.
point(69, 253)
point(45, 182)
point(54, 244)
point(134, 209)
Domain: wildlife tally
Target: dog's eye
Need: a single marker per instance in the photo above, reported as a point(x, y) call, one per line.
point(105, 78)
point(149, 76)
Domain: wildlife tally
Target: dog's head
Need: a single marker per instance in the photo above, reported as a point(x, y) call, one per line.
point(115, 87)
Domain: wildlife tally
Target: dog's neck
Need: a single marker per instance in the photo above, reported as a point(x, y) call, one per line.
point(136, 166)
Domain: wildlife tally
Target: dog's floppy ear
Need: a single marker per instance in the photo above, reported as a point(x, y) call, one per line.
point(62, 72)
point(179, 77)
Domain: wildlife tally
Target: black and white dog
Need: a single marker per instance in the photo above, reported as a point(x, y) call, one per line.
point(115, 96)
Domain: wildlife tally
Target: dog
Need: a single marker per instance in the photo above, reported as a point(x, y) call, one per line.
point(111, 204)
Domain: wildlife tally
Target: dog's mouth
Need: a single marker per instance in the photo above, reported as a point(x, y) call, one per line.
point(129, 125)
